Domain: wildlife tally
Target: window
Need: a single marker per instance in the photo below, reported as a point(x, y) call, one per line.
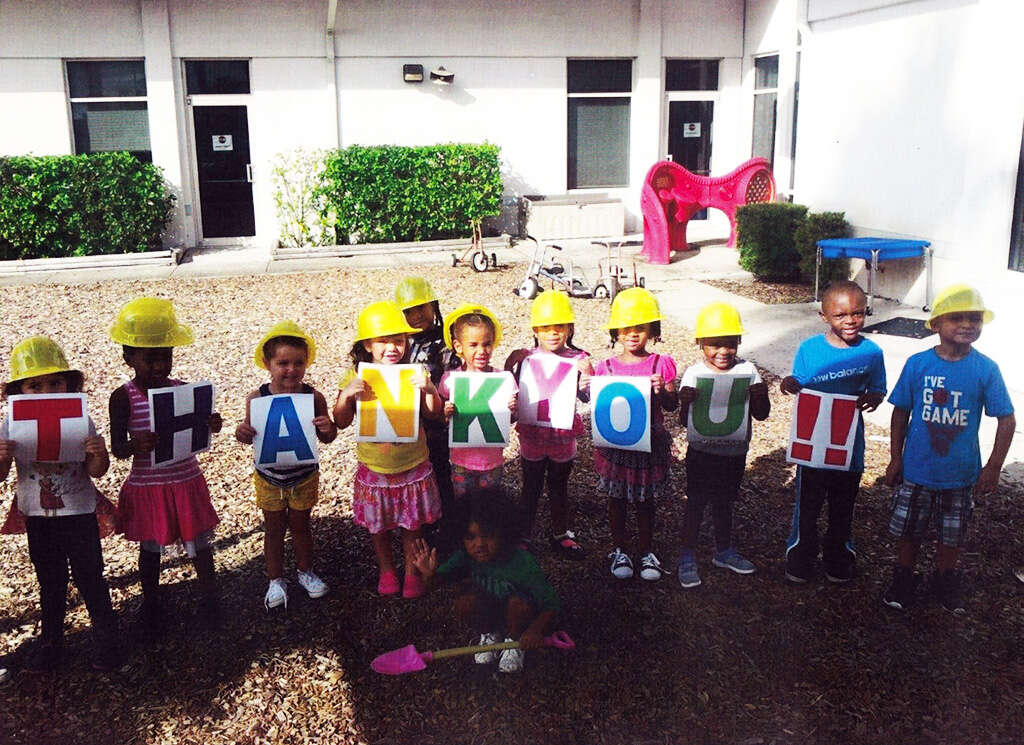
point(766, 94)
point(691, 75)
point(1017, 228)
point(599, 95)
point(216, 76)
point(108, 107)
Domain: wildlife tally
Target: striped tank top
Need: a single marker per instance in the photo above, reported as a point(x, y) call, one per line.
point(143, 474)
point(285, 477)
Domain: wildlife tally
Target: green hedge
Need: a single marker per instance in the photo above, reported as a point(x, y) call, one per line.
point(79, 205)
point(765, 238)
point(819, 226)
point(391, 193)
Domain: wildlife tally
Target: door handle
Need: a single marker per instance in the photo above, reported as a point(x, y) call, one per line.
point(248, 172)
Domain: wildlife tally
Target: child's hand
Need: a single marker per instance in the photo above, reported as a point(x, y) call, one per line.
point(7, 448)
point(142, 443)
point(687, 395)
point(757, 390)
point(421, 380)
point(216, 422)
point(449, 410)
point(245, 433)
point(358, 390)
point(790, 385)
point(531, 639)
point(513, 403)
point(869, 400)
point(894, 472)
point(657, 383)
point(95, 445)
point(424, 558)
point(323, 423)
point(586, 370)
point(515, 358)
point(988, 480)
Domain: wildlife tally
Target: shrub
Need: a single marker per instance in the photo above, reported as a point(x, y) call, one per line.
point(765, 239)
point(79, 205)
point(391, 193)
point(819, 226)
point(298, 178)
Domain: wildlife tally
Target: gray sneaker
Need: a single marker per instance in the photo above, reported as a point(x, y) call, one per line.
point(731, 560)
point(688, 576)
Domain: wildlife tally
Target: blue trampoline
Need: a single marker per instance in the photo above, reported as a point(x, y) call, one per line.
point(873, 251)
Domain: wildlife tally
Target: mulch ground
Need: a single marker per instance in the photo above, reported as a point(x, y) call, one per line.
point(772, 293)
point(745, 660)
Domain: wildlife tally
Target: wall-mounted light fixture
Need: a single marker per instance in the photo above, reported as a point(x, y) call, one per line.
point(441, 76)
point(412, 73)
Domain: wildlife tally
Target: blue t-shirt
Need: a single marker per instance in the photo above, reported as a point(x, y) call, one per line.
point(945, 401)
point(818, 366)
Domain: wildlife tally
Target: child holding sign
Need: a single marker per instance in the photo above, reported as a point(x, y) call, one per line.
point(472, 332)
point(394, 484)
point(719, 395)
point(840, 361)
point(632, 476)
point(935, 456)
point(287, 493)
point(57, 501)
point(159, 506)
point(546, 449)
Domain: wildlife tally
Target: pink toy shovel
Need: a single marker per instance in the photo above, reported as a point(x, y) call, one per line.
point(408, 660)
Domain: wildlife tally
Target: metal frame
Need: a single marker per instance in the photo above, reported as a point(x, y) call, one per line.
point(926, 252)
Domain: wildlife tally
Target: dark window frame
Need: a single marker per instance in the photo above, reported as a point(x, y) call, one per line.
point(615, 89)
point(75, 74)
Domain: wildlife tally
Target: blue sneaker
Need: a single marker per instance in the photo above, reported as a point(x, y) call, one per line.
point(730, 559)
point(688, 576)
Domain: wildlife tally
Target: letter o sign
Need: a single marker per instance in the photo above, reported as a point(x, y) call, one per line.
point(607, 409)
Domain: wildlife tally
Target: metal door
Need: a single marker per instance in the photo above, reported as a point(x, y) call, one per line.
point(689, 137)
point(224, 170)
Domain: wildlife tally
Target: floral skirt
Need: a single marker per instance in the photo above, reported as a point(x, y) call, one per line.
point(385, 501)
point(633, 475)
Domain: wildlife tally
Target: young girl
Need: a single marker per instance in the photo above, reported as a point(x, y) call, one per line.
point(473, 332)
point(422, 311)
point(158, 506)
point(57, 504)
point(545, 450)
point(628, 476)
point(394, 484)
point(286, 494)
point(509, 596)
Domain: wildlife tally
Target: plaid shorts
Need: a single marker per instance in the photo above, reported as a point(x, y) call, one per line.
point(915, 508)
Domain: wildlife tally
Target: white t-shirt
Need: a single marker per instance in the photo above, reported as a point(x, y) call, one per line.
point(53, 489)
point(723, 446)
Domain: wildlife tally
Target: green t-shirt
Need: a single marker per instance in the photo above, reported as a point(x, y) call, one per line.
point(519, 574)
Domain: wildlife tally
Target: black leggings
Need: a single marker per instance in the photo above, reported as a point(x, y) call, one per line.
point(715, 480)
point(558, 493)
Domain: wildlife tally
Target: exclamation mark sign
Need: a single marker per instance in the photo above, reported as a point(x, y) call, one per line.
point(807, 406)
point(843, 412)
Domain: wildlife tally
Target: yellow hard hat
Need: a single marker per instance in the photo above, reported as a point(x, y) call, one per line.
point(718, 319)
point(285, 328)
point(36, 356)
point(149, 322)
point(633, 307)
point(413, 291)
point(468, 309)
point(551, 308)
point(382, 318)
point(959, 299)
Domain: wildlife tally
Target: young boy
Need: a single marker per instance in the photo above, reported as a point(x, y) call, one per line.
point(715, 466)
point(936, 458)
point(844, 362)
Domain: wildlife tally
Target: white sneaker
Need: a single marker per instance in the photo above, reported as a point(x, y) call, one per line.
point(650, 567)
point(486, 658)
point(511, 660)
point(277, 594)
point(622, 565)
point(312, 584)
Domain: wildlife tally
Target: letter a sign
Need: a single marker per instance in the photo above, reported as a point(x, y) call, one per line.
point(49, 427)
point(285, 435)
point(823, 430)
point(481, 417)
point(721, 409)
point(391, 413)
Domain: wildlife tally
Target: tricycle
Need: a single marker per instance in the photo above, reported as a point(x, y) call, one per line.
point(572, 280)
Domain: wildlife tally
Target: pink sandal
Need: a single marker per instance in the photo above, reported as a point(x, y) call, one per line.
point(413, 587)
point(388, 583)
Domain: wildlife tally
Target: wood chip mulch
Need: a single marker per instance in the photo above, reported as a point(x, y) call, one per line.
point(770, 293)
point(741, 659)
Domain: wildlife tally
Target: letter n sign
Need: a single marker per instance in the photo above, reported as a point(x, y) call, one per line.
point(180, 416)
point(621, 412)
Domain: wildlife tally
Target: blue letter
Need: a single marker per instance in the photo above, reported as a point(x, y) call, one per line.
point(282, 409)
point(637, 414)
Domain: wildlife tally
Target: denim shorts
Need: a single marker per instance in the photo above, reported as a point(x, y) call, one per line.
point(916, 508)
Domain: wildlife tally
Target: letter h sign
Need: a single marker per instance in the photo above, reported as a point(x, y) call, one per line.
point(180, 416)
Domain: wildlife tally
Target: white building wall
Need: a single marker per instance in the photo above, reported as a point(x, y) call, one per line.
point(34, 114)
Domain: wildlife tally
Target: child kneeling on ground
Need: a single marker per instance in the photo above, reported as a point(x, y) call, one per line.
point(508, 595)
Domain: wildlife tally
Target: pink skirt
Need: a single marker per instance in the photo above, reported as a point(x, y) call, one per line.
point(166, 513)
point(385, 501)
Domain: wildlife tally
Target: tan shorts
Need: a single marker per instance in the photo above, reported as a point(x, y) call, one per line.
point(272, 498)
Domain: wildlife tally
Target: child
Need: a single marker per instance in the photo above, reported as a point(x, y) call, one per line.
point(838, 361)
point(547, 450)
point(936, 458)
point(509, 597)
point(714, 467)
point(159, 506)
point(628, 476)
point(58, 504)
point(473, 332)
point(422, 311)
point(394, 484)
point(287, 494)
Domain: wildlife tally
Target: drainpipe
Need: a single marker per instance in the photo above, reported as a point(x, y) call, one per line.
point(332, 76)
